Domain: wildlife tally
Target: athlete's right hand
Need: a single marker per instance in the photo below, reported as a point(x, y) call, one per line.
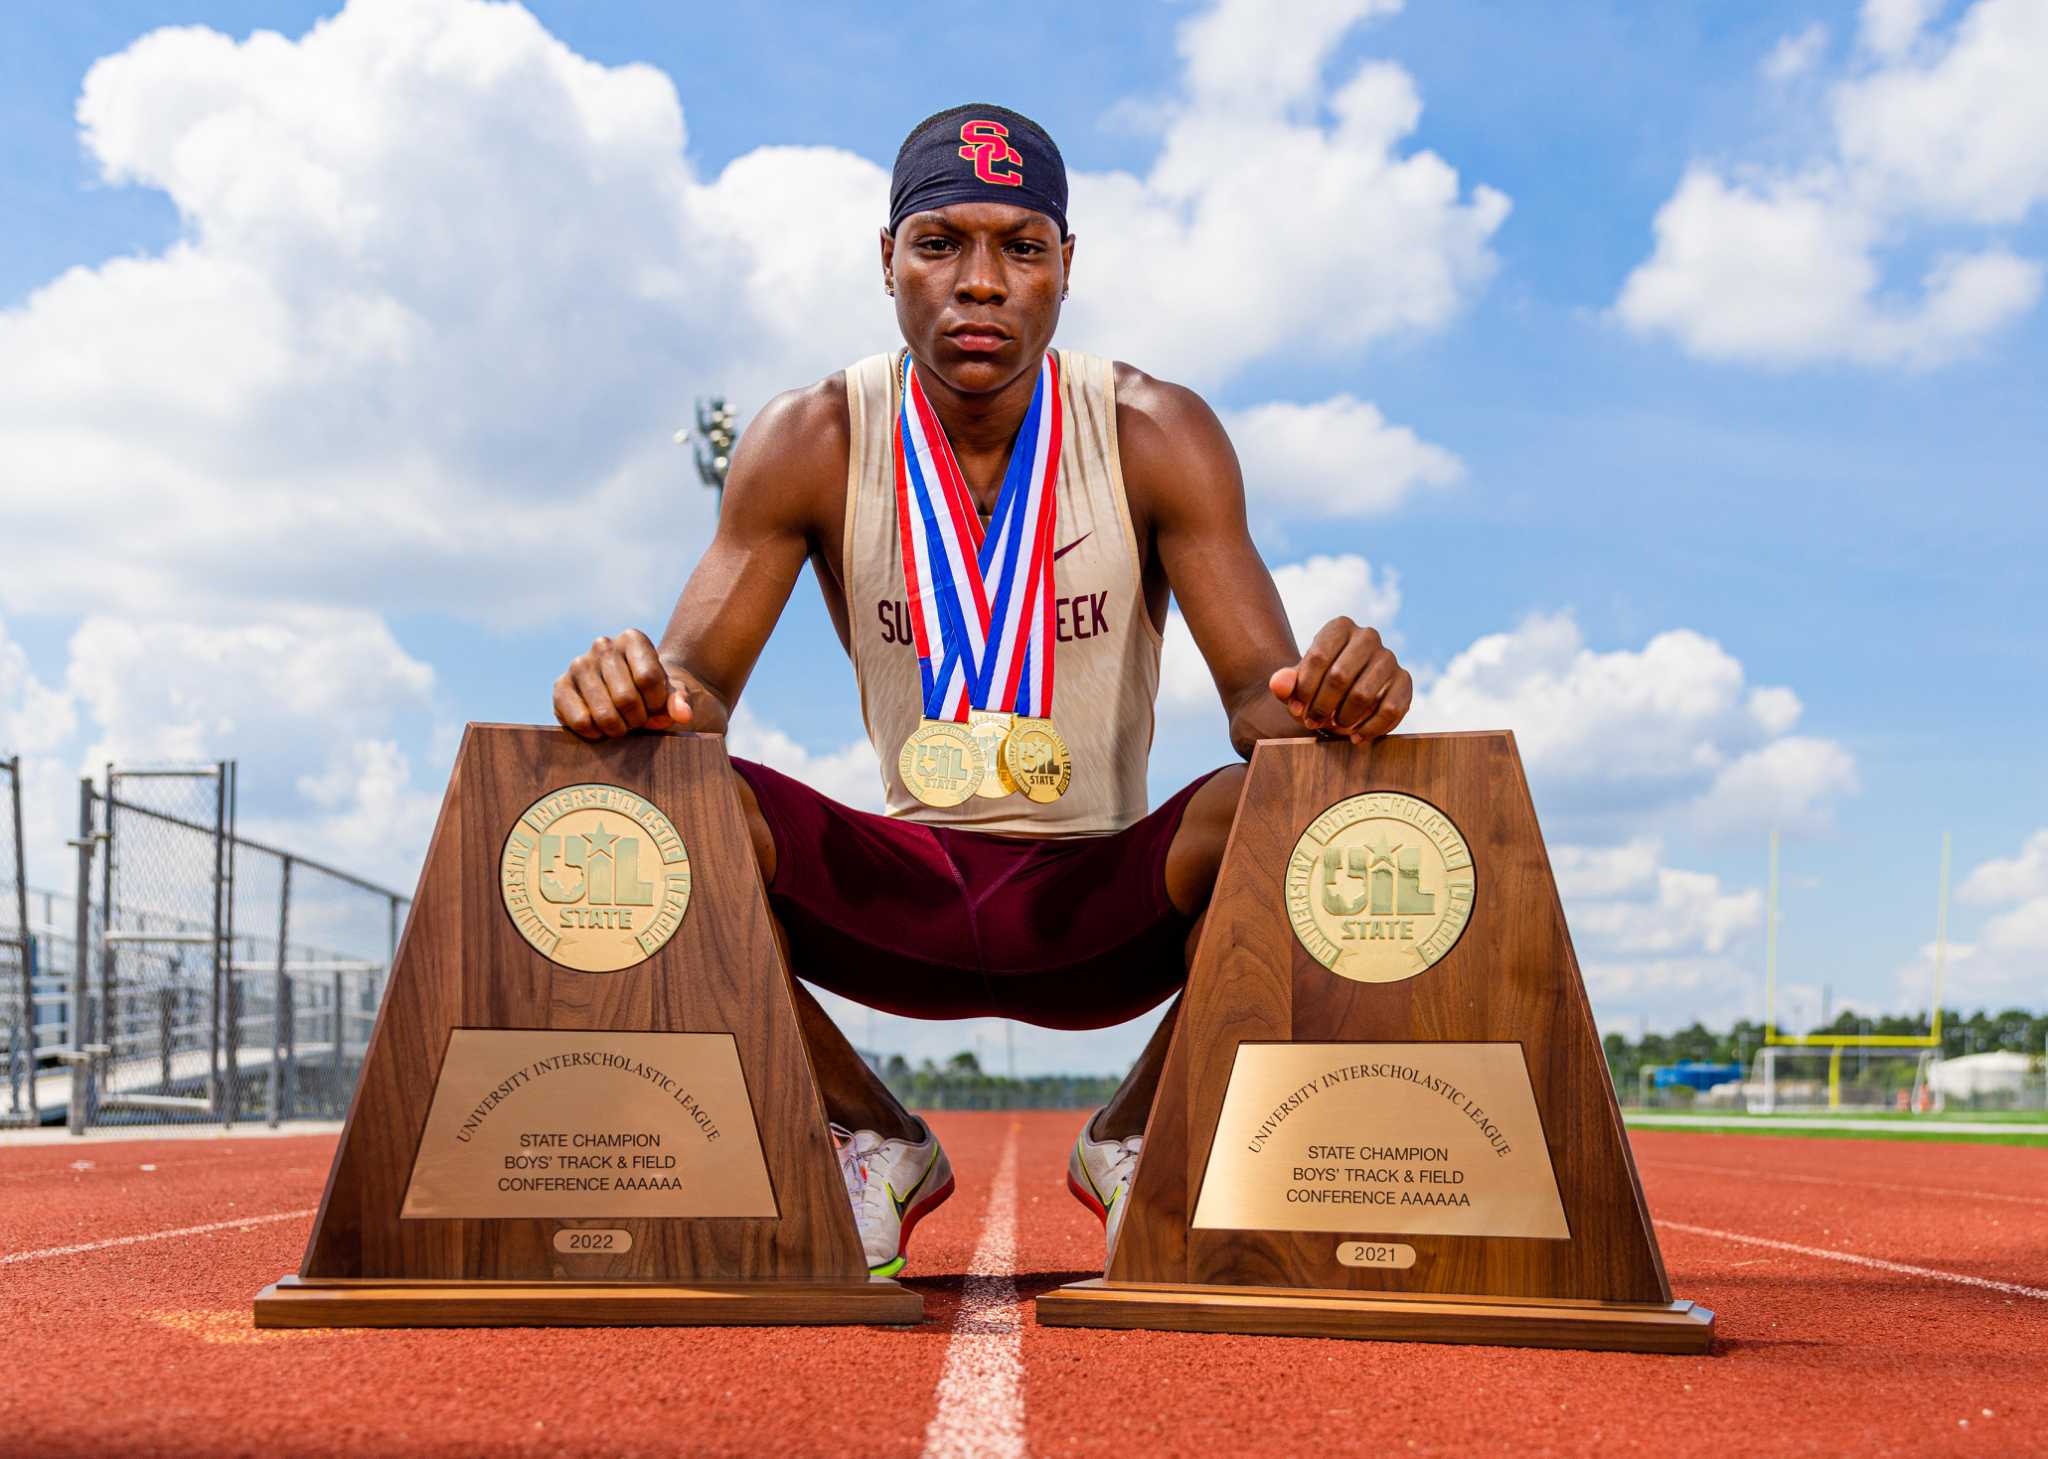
point(619, 686)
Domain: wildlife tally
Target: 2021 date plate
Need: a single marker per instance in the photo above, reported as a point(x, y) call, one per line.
point(531, 1123)
point(1437, 1138)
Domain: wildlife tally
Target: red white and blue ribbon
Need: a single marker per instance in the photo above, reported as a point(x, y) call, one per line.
point(980, 601)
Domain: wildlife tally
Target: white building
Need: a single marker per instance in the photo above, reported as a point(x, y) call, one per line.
point(1974, 1075)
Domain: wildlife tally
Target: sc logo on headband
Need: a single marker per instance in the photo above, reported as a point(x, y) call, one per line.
point(987, 144)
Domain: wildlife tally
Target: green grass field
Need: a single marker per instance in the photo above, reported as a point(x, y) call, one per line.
point(2018, 1127)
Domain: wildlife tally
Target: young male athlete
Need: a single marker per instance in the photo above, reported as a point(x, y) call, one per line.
point(996, 528)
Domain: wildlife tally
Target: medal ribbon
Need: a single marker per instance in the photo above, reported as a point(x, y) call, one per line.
point(980, 602)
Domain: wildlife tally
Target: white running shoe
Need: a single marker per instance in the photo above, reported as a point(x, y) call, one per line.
point(893, 1185)
point(1099, 1174)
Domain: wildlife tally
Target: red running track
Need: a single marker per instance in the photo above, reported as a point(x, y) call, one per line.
point(145, 1348)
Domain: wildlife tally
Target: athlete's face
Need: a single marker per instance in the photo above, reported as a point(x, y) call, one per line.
point(978, 289)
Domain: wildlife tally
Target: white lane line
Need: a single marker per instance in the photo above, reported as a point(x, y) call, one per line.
point(980, 1413)
point(1921, 1129)
point(235, 1225)
point(1959, 1278)
point(1865, 1185)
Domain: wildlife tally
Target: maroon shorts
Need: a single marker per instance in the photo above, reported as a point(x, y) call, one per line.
point(934, 922)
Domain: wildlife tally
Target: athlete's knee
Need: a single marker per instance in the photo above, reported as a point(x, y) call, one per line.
point(1213, 808)
point(1219, 793)
point(1196, 854)
point(757, 829)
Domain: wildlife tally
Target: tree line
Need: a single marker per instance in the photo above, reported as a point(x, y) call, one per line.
point(2014, 1029)
point(961, 1083)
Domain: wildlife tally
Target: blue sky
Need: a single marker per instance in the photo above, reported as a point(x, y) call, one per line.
point(1667, 414)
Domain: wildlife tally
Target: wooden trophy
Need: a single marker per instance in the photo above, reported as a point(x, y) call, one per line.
point(585, 1101)
point(1384, 1112)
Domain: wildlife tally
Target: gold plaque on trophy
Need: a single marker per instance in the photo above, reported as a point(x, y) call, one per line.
point(540, 1123)
point(1379, 887)
point(1371, 1138)
point(595, 877)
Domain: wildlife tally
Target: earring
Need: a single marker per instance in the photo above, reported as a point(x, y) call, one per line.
point(889, 288)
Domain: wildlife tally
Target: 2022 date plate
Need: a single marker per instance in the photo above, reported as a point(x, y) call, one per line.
point(532, 1123)
point(1437, 1138)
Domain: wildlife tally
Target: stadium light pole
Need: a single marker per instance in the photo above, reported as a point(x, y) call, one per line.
point(714, 436)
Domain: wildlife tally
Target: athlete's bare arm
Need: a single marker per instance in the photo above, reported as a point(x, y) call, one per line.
point(1184, 484)
point(781, 496)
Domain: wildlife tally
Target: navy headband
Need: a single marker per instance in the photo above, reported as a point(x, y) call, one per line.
point(978, 154)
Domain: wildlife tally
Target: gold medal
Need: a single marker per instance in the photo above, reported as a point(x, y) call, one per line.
point(1037, 759)
point(991, 729)
point(942, 764)
point(945, 762)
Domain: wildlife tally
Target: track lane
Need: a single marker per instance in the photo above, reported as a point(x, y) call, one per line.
point(1980, 1170)
point(978, 1410)
point(147, 1348)
point(59, 1195)
point(1817, 1357)
point(1949, 1208)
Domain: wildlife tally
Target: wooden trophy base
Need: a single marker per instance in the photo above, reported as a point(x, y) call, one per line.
point(1384, 1112)
point(342, 1302)
point(1526, 1322)
point(586, 1101)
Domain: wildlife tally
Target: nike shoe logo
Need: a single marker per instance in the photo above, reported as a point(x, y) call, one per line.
point(902, 1202)
point(1063, 551)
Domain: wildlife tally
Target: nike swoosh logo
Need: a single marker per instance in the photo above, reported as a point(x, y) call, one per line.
point(1062, 552)
point(902, 1203)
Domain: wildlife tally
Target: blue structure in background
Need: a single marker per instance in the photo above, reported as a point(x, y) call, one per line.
point(1695, 1074)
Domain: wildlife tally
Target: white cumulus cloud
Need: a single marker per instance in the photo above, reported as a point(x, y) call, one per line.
point(444, 285)
point(1313, 592)
point(1889, 27)
point(33, 715)
point(1605, 871)
point(365, 811)
point(183, 691)
point(1686, 909)
point(1711, 989)
point(38, 722)
point(1789, 784)
point(1671, 733)
point(308, 702)
point(1932, 136)
point(1647, 930)
point(1393, 234)
point(2011, 878)
point(2006, 961)
point(1796, 54)
point(851, 774)
point(1336, 458)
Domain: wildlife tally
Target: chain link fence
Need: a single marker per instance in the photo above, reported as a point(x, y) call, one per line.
point(195, 974)
point(52, 950)
point(308, 964)
point(17, 966)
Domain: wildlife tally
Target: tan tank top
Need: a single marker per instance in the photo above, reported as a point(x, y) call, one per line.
point(1106, 654)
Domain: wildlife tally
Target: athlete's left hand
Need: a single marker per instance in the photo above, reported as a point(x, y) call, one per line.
point(1348, 684)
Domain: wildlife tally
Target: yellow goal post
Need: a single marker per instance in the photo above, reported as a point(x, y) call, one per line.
point(1839, 1041)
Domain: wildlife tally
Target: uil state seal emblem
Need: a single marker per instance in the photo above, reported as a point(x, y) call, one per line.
point(595, 877)
point(1380, 886)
